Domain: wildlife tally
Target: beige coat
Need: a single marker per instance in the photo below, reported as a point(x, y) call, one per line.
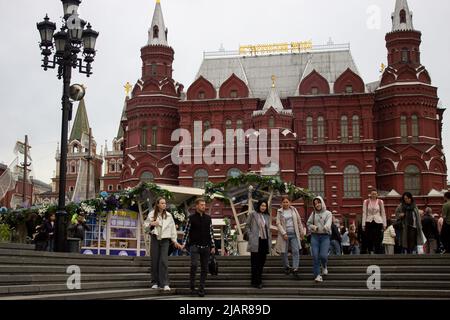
point(300, 230)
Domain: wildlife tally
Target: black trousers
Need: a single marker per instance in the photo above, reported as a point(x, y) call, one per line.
point(445, 237)
point(202, 254)
point(374, 237)
point(258, 260)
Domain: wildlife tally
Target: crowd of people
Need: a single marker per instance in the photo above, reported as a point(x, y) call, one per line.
point(411, 230)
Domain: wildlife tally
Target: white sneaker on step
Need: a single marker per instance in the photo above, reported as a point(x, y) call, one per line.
point(318, 279)
point(325, 271)
point(166, 288)
point(155, 286)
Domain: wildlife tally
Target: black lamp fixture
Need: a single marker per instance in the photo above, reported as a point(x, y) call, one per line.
point(65, 46)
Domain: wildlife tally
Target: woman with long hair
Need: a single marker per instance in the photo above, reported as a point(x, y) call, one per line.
point(290, 234)
point(259, 240)
point(161, 226)
point(319, 223)
point(410, 223)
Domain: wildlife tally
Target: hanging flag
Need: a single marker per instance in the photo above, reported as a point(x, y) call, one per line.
point(8, 179)
point(20, 148)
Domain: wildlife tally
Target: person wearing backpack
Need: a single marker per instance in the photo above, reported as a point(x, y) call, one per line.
point(319, 224)
point(374, 222)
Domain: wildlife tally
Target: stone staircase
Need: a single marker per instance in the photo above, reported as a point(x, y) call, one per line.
point(27, 274)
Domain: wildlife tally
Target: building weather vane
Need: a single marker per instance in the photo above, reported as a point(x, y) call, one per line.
point(128, 88)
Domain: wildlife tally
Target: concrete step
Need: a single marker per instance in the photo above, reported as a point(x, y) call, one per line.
point(308, 282)
point(16, 246)
point(32, 253)
point(325, 292)
point(32, 269)
point(4, 260)
point(94, 295)
point(62, 287)
point(61, 278)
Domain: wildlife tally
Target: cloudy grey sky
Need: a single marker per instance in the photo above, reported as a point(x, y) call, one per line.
point(30, 97)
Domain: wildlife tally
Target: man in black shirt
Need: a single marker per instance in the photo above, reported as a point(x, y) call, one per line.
point(199, 237)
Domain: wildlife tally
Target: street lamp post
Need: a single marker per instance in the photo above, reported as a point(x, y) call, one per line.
point(65, 46)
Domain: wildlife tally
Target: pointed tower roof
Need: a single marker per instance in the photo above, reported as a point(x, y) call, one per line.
point(273, 99)
point(81, 123)
point(157, 34)
point(120, 132)
point(402, 17)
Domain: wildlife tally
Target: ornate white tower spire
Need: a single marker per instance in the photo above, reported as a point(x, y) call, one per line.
point(157, 34)
point(402, 17)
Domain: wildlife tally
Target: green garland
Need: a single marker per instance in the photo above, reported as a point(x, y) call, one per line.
point(262, 182)
point(99, 206)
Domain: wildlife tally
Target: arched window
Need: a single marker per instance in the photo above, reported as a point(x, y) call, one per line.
point(402, 16)
point(119, 187)
point(112, 166)
point(356, 129)
point(314, 90)
point(75, 149)
point(155, 32)
point(271, 122)
point(316, 181)
point(206, 127)
point(233, 173)
point(349, 89)
point(309, 130)
point(228, 124)
point(154, 136)
point(405, 55)
point(344, 129)
point(321, 129)
point(147, 177)
point(403, 129)
point(415, 127)
point(201, 95)
point(240, 130)
point(200, 178)
point(119, 166)
point(412, 180)
point(352, 184)
point(144, 136)
point(153, 66)
point(73, 167)
point(233, 94)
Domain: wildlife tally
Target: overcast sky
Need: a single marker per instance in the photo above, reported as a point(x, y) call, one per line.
point(30, 97)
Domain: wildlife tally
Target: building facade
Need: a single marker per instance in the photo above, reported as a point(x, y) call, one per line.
point(339, 136)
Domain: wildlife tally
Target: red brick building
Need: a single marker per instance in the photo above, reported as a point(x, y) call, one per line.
point(339, 136)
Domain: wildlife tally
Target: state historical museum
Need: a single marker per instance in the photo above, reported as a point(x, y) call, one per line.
point(339, 136)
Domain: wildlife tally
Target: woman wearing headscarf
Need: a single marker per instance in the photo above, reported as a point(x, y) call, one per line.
point(259, 240)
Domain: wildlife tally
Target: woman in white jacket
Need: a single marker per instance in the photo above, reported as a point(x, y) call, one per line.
point(161, 226)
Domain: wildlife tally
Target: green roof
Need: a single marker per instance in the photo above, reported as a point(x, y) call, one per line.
point(81, 123)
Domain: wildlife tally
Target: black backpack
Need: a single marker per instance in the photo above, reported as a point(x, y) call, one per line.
point(213, 265)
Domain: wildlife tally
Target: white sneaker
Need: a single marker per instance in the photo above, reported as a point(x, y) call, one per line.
point(166, 288)
point(318, 279)
point(325, 271)
point(155, 286)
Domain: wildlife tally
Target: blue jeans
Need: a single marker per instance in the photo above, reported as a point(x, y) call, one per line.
point(354, 250)
point(293, 243)
point(335, 248)
point(320, 246)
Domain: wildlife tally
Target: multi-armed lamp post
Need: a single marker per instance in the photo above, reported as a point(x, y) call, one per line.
point(61, 50)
